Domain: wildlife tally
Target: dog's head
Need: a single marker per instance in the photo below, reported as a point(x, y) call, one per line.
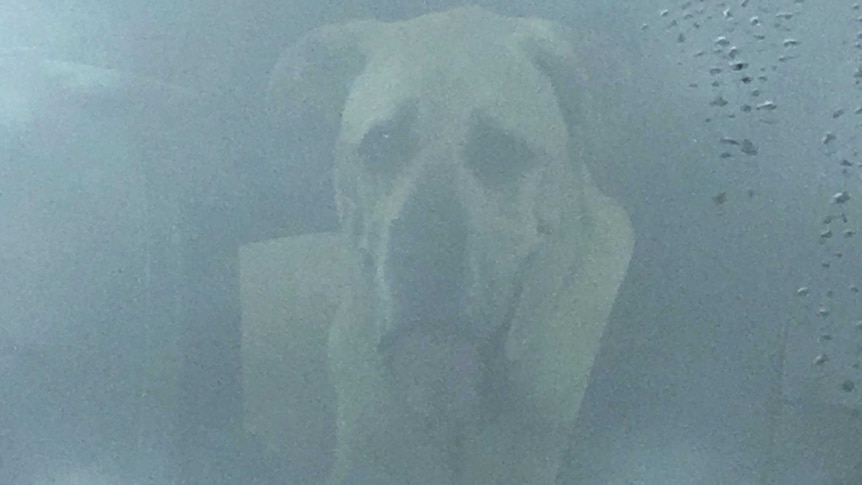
point(458, 162)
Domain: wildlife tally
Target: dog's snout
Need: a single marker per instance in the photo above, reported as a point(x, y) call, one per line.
point(425, 264)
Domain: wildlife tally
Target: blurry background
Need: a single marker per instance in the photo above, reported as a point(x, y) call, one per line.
point(738, 126)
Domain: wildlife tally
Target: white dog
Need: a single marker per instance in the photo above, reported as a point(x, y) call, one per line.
point(484, 260)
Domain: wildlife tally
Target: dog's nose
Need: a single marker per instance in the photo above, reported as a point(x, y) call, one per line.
point(425, 264)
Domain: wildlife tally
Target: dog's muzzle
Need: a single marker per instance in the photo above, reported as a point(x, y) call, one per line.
point(425, 264)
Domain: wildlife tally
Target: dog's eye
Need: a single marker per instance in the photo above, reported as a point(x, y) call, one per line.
point(388, 145)
point(496, 157)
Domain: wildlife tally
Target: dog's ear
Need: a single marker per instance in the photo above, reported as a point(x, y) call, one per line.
point(314, 76)
point(587, 71)
point(552, 49)
point(305, 98)
point(573, 279)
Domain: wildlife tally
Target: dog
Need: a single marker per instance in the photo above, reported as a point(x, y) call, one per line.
point(482, 258)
